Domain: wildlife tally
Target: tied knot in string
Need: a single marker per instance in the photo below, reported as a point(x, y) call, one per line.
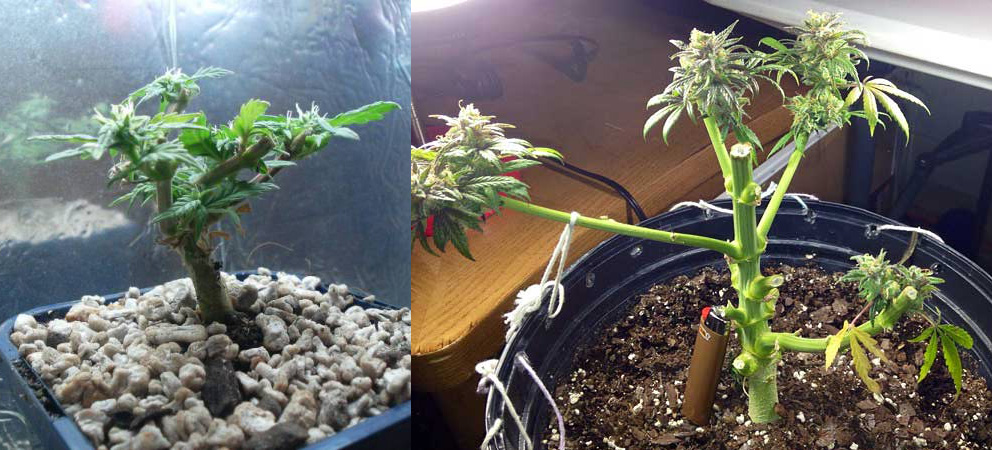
point(529, 299)
point(560, 253)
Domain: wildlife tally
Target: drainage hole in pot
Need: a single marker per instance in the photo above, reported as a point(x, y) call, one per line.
point(936, 268)
point(590, 279)
point(636, 251)
point(871, 231)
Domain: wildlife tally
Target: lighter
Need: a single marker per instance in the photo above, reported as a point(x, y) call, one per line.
point(704, 368)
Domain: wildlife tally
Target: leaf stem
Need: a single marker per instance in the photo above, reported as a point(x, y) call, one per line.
point(724, 247)
point(783, 187)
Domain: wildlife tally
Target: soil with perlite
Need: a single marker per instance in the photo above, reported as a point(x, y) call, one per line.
point(626, 386)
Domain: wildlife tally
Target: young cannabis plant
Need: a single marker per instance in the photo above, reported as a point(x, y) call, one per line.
point(715, 78)
point(193, 171)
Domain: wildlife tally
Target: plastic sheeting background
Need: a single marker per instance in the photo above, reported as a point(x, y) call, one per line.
point(340, 215)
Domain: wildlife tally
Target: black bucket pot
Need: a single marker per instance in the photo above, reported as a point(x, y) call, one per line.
point(57, 430)
point(603, 284)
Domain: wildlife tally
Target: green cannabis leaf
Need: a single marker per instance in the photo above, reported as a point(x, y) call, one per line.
point(457, 178)
point(948, 338)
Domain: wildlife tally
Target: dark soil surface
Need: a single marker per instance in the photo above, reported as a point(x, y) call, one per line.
point(626, 386)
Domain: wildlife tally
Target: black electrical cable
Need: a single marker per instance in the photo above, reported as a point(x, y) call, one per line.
point(620, 190)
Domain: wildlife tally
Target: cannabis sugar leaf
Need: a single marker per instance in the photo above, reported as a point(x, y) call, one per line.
point(947, 338)
point(715, 76)
point(459, 177)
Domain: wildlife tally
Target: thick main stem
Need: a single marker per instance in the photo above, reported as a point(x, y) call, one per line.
point(211, 294)
point(761, 383)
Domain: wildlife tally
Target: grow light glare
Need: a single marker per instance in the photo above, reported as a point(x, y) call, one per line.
point(430, 5)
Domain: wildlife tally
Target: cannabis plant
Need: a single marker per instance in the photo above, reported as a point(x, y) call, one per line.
point(458, 177)
point(197, 173)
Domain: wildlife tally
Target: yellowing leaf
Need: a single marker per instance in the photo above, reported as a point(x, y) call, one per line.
point(833, 345)
point(869, 343)
point(871, 111)
point(862, 366)
point(893, 109)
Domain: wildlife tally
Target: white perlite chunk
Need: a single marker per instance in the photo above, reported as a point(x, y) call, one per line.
point(183, 334)
point(324, 363)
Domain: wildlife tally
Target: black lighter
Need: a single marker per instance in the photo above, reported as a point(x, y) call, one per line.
point(704, 368)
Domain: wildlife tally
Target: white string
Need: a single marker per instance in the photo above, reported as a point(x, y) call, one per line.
point(525, 364)
point(557, 299)
point(487, 369)
point(497, 424)
point(929, 233)
point(702, 204)
point(528, 301)
point(798, 197)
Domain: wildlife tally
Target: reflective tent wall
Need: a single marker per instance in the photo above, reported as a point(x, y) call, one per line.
point(339, 215)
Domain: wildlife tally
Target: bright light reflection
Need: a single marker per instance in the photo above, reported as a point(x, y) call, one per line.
point(429, 5)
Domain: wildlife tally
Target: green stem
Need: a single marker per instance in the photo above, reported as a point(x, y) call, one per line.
point(884, 320)
point(783, 186)
point(211, 294)
point(761, 384)
point(724, 247)
point(246, 159)
point(716, 137)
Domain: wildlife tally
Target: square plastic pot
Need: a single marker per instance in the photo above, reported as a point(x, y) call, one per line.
point(42, 410)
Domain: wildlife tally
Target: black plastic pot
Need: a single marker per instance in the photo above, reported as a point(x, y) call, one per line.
point(602, 285)
point(41, 409)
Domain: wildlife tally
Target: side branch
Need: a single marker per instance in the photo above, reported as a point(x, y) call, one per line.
point(783, 187)
point(245, 160)
point(886, 319)
point(727, 248)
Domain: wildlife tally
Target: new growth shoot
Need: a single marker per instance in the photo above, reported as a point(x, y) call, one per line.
point(460, 176)
point(196, 173)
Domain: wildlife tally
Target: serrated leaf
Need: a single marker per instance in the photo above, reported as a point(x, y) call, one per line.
point(958, 335)
point(656, 117)
point(869, 343)
point(923, 335)
point(871, 110)
point(892, 90)
point(862, 366)
point(338, 131)
point(210, 72)
point(953, 361)
point(365, 114)
point(250, 111)
point(893, 109)
point(833, 345)
point(71, 138)
point(744, 134)
point(928, 357)
point(774, 43)
point(781, 142)
point(853, 95)
point(669, 123)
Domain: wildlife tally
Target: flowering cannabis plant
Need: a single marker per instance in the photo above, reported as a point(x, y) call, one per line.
point(715, 79)
point(193, 170)
point(460, 176)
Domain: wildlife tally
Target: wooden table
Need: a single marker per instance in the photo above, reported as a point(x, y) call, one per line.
point(458, 304)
